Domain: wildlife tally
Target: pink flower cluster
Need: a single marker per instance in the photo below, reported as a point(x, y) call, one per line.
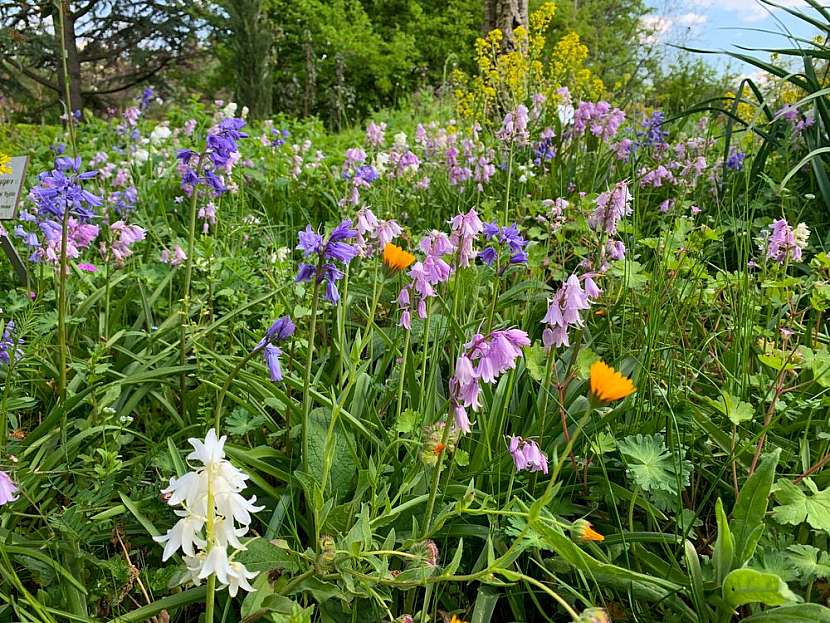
point(124, 236)
point(425, 275)
point(485, 358)
point(599, 118)
point(527, 455)
point(373, 233)
point(611, 207)
point(465, 229)
point(564, 310)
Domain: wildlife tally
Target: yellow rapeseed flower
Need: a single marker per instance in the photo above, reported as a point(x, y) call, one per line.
point(396, 258)
point(5, 164)
point(607, 384)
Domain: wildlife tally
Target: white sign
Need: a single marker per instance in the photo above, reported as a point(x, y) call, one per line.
point(11, 187)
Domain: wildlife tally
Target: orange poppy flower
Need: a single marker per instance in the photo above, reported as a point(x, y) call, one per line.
point(396, 258)
point(607, 384)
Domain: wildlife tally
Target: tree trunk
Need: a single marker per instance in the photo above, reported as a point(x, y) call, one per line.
point(253, 47)
point(68, 45)
point(505, 15)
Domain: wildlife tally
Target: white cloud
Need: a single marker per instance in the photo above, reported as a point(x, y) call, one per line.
point(692, 19)
point(745, 10)
point(655, 28)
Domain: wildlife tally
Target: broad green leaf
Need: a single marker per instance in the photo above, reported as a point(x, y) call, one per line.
point(535, 361)
point(408, 421)
point(750, 508)
point(735, 409)
point(650, 464)
point(796, 506)
point(801, 613)
point(748, 586)
point(343, 469)
point(810, 562)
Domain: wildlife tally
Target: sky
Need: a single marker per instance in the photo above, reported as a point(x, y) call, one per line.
point(723, 24)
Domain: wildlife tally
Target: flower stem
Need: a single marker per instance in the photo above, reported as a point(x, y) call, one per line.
point(425, 347)
point(315, 299)
point(403, 375)
point(217, 414)
point(436, 476)
point(188, 275)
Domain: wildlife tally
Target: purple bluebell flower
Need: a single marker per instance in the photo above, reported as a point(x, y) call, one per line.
point(9, 346)
point(507, 237)
point(653, 135)
point(735, 161)
point(785, 242)
point(146, 98)
point(272, 362)
point(599, 118)
point(564, 311)
point(56, 191)
point(335, 249)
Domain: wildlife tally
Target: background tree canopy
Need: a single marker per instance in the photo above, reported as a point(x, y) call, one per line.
point(335, 59)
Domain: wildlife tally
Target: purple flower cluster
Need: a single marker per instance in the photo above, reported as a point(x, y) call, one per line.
point(652, 134)
point(611, 207)
point(425, 275)
point(485, 358)
point(507, 237)
point(61, 189)
point(60, 192)
point(221, 154)
point(327, 252)
point(735, 161)
point(564, 310)
point(375, 134)
point(599, 118)
point(527, 455)
point(9, 346)
point(281, 329)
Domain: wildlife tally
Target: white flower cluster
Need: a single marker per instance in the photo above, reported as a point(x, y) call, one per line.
point(210, 496)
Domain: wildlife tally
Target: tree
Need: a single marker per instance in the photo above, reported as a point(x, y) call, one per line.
point(249, 35)
point(505, 15)
point(111, 46)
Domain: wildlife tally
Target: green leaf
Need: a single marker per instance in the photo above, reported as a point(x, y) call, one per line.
point(735, 409)
point(584, 358)
point(750, 508)
point(343, 469)
point(748, 586)
point(650, 464)
point(810, 562)
point(535, 361)
point(801, 613)
point(408, 421)
point(796, 506)
point(723, 553)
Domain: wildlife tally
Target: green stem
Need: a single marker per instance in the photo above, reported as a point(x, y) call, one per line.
point(403, 375)
point(188, 275)
point(509, 179)
point(425, 347)
point(315, 299)
point(210, 597)
point(436, 476)
point(217, 414)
